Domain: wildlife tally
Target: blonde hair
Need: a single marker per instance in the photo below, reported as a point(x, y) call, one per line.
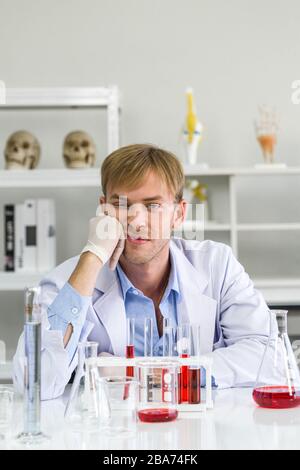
point(128, 166)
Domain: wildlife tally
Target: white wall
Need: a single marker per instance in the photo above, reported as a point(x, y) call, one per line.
point(235, 53)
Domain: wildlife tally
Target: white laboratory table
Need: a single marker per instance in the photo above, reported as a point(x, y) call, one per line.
point(234, 423)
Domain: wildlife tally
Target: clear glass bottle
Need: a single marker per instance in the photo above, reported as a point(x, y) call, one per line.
point(278, 379)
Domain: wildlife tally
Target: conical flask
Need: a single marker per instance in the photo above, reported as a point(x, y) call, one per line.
point(88, 407)
point(278, 379)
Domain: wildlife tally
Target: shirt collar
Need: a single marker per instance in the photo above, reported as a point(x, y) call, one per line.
point(173, 283)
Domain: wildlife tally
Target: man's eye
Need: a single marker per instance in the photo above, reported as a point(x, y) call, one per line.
point(153, 206)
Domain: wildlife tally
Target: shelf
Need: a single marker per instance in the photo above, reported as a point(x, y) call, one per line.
point(285, 291)
point(190, 225)
point(24, 98)
point(268, 227)
point(61, 178)
point(198, 170)
point(18, 281)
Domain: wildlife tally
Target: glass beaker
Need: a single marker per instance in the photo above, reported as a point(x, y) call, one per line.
point(83, 409)
point(158, 390)
point(123, 419)
point(278, 379)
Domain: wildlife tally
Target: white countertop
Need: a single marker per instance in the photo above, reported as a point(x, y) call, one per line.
point(234, 423)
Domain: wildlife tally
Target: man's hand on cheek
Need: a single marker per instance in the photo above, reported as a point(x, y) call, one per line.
point(106, 237)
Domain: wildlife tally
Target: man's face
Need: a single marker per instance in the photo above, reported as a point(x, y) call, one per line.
point(148, 215)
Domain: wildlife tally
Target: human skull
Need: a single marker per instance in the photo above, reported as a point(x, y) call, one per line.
point(22, 151)
point(79, 150)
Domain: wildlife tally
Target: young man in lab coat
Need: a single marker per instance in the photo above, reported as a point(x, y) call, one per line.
point(132, 267)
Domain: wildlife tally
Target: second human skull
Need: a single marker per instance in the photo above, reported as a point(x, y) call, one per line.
point(22, 151)
point(79, 150)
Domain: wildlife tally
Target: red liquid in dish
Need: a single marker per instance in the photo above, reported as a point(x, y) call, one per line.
point(194, 384)
point(157, 415)
point(183, 382)
point(276, 397)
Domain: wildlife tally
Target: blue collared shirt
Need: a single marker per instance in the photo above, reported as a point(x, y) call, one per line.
point(139, 307)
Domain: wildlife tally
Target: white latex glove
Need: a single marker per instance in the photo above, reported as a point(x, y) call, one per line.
point(106, 239)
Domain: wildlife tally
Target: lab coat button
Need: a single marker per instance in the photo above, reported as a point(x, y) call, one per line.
point(74, 310)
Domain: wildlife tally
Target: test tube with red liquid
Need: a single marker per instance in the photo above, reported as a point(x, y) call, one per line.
point(184, 351)
point(194, 371)
point(130, 334)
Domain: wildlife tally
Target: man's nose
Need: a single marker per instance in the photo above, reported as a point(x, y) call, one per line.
point(137, 217)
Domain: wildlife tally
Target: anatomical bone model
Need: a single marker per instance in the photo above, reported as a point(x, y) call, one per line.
point(22, 151)
point(79, 150)
point(266, 127)
point(193, 129)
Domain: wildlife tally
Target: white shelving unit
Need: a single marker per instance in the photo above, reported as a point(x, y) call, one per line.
point(57, 98)
point(75, 98)
point(276, 291)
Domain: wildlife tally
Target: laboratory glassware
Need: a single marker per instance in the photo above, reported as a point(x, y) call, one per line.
point(168, 338)
point(130, 335)
point(148, 337)
point(130, 353)
point(194, 371)
point(157, 390)
point(123, 409)
point(6, 409)
point(168, 350)
point(278, 379)
point(32, 434)
point(184, 351)
point(84, 410)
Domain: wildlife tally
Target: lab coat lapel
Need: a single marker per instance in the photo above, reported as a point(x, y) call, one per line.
point(195, 306)
point(110, 309)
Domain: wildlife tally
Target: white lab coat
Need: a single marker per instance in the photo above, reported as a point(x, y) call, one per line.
point(216, 293)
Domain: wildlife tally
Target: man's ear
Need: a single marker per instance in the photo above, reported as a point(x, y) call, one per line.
point(179, 214)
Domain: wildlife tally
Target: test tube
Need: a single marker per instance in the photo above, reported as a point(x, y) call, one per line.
point(194, 371)
point(130, 334)
point(148, 337)
point(168, 348)
point(184, 351)
point(32, 434)
point(168, 340)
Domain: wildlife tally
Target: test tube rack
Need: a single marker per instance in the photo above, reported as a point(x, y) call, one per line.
point(201, 361)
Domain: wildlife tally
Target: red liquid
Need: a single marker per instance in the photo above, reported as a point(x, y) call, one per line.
point(130, 355)
point(194, 376)
point(157, 415)
point(183, 382)
point(276, 397)
point(129, 370)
